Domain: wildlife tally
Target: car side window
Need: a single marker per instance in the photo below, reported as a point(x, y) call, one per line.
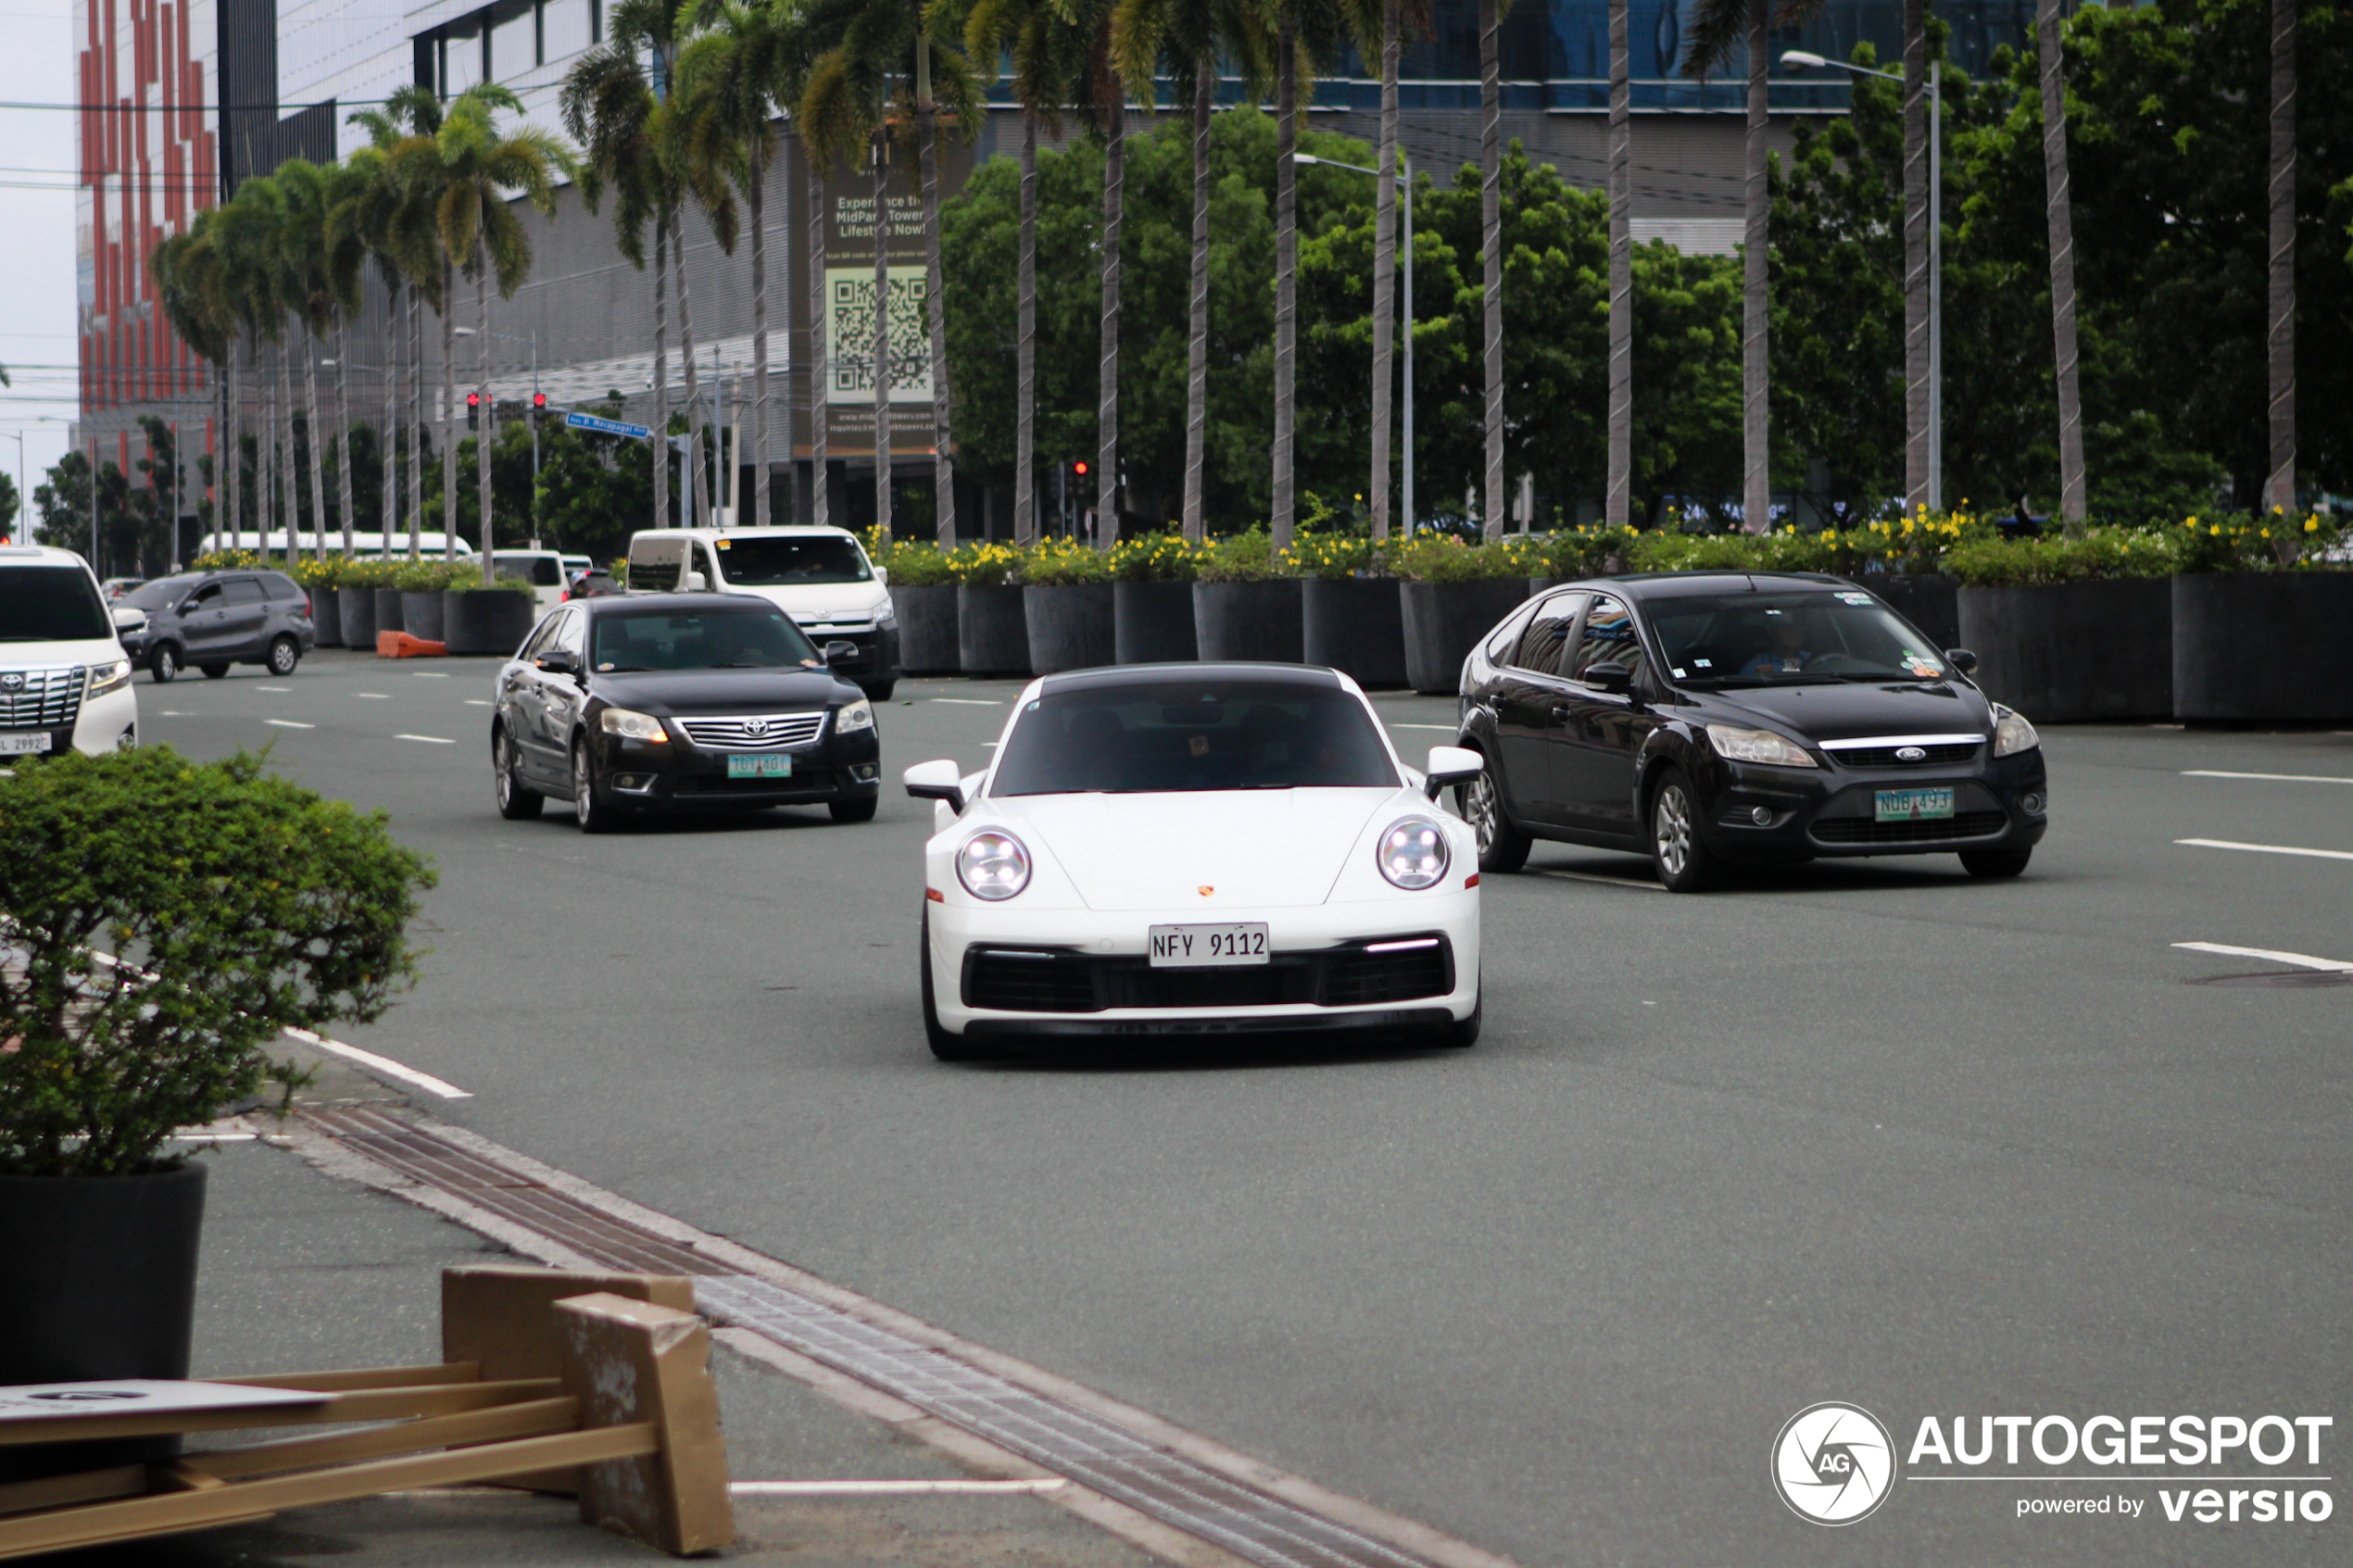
point(1546, 640)
point(279, 587)
point(206, 597)
point(1608, 638)
point(540, 639)
point(1505, 637)
point(571, 635)
point(241, 591)
point(707, 566)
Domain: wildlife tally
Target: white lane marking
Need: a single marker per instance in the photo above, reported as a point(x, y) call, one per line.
point(2282, 778)
point(2268, 848)
point(1448, 728)
point(290, 724)
point(175, 713)
point(1607, 881)
point(971, 701)
point(430, 674)
point(273, 688)
point(869, 1488)
point(380, 696)
point(384, 1065)
point(478, 702)
point(430, 740)
point(2301, 960)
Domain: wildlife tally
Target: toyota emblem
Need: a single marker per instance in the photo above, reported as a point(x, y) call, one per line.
point(1911, 754)
point(755, 727)
point(12, 681)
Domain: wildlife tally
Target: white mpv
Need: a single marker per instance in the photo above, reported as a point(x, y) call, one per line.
point(65, 681)
point(819, 576)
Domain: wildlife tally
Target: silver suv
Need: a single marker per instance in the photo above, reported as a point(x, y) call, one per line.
point(212, 619)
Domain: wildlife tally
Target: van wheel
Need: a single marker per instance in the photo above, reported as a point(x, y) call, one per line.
point(164, 664)
point(284, 654)
point(214, 671)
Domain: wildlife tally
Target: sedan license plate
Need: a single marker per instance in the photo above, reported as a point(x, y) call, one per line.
point(1913, 805)
point(1200, 947)
point(760, 767)
point(20, 743)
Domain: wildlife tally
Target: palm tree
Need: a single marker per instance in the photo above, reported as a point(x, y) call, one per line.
point(1618, 485)
point(1490, 245)
point(396, 221)
point(247, 230)
point(193, 287)
point(303, 262)
point(1306, 31)
point(1392, 30)
point(2279, 489)
point(2059, 214)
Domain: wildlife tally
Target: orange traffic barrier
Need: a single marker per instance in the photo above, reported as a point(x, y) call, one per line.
point(401, 644)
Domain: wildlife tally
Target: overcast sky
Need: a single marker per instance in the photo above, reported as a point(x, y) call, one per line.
point(36, 235)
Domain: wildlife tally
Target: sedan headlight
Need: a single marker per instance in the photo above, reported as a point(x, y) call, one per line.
point(2012, 733)
point(859, 715)
point(634, 725)
point(1736, 744)
point(993, 865)
point(1412, 853)
point(108, 677)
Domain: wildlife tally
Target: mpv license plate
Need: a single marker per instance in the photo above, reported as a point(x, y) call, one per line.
point(21, 742)
point(1914, 805)
point(760, 767)
point(1199, 947)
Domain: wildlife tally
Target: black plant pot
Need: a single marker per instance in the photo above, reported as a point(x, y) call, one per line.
point(326, 617)
point(1070, 625)
point(927, 642)
point(2255, 645)
point(1153, 624)
point(485, 621)
point(1930, 600)
point(1253, 620)
point(389, 616)
point(1442, 620)
point(992, 630)
point(1357, 625)
point(101, 1284)
point(422, 615)
point(357, 613)
point(2071, 652)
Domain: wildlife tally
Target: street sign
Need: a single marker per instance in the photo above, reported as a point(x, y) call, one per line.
point(606, 427)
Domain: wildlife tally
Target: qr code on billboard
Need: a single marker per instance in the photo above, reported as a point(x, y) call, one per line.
point(850, 332)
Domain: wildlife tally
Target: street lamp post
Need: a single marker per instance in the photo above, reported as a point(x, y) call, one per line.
point(1801, 60)
point(1406, 183)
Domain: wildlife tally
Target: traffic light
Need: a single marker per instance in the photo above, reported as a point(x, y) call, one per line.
point(539, 408)
point(473, 410)
point(1079, 469)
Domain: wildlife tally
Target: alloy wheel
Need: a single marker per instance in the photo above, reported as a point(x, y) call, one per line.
point(1477, 802)
point(1672, 826)
point(503, 768)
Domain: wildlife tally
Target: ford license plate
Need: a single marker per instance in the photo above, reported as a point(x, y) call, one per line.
point(1913, 805)
point(760, 767)
point(19, 742)
point(1200, 947)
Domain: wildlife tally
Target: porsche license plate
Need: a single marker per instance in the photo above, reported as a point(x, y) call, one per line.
point(1200, 947)
point(760, 767)
point(1913, 805)
point(17, 742)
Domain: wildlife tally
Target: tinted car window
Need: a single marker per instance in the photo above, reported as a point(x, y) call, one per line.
point(1789, 638)
point(699, 639)
point(773, 563)
point(1608, 638)
point(279, 586)
point(162, 594)
point(51, 604)
point(541, 572)
point(1505, 638)
point(1546, 639)
point(208, 596)
point(1192, 735)
point(241, 591)
point(540, 636)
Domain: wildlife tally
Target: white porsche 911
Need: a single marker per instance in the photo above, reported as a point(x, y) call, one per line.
point(1189, 850)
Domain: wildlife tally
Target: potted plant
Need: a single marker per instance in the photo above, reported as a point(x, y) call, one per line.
point(168, 919)
point(486, 618)
point(2071, 629)
point(318, 579)
point(355, 587)
point(1152, 600)
point(1066, 604)
point(1569, 554)
point(391, 614)
point(1245, 600)
point(1350, 615)
point(1451, 593)
point(421, 585)
point(922, 595)
point(993, 627)
point(2262, 604)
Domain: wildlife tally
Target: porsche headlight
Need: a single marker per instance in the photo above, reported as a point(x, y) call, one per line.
point(993, 865)
point(110, 676)
point(859, 715)
point(2012, 733)
point(634, 725)
point(1412, 853)
point(1736, 744)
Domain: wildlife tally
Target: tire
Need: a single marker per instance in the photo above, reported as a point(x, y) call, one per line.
point(1684, 861)
point(1458, 1034)
point(214, 671)
point(516, 803)
point(944, 1046)
point(164, 664)
point(1502, 846)
point(854, 811)
point(1989, 863)
point(284, 654)
point(593, 814)
point(880, 691)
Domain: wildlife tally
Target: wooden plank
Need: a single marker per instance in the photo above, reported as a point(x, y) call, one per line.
point(454, 1371)
point(500, 1424)
point(136, 1517)
point(58, 1491)
point(361, 1404)
point(633, 1361)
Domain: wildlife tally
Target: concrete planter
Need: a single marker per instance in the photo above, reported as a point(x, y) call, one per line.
point(927, 629)
point(2262, 645)
point(1442, 620)
point(422, 615)
point(2071, 652)
point(1153, 624)
point(486, 621)
point(1070, 625)
point(1252, 621)
point(992, 630)
point(357, 612)
point(1930, 600)
point(388, 612)
point(1357, 625)
point(326, 617)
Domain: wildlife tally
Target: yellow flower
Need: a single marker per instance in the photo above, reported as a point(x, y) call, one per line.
point(2311, 525)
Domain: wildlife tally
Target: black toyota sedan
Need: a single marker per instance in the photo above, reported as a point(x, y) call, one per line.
point(1705, 718)
point(646, 702)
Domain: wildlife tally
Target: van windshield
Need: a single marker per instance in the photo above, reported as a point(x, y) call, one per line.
point(51, 604)
point(776, 561)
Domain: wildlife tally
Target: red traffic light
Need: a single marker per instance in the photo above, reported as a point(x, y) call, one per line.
point(474, 399)
point(1079, 469)
point(538, 400)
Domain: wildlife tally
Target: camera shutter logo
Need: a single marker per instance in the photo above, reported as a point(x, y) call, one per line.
point(1833, 1463)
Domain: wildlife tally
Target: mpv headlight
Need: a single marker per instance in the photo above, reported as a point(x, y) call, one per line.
point(993, 865)
point(2012, 733)
point(859, 715)
point(635, 726)
point(1412, 853)
point(886, 615)
point(1736, 744)
point(105, 678)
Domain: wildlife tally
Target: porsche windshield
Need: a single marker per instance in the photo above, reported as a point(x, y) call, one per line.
point(1190, 735)
point(1788, 639)
point(778, 560)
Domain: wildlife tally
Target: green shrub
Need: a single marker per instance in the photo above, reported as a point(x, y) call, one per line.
point(1246, 556)
point(1154, 557)
point(2255, 542)
point(424, 577)
point(1442, 558)
point(2100, 553)
point(1336, 556)
point(236, 905)
point(1057, 562)
point(912, 563)
point(985, 565)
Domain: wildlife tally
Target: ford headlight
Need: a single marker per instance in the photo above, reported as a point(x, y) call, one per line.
point(993, 865)
point(859, 715)
point(2012, 733)
point(1736, 744)
point(1412, 853)
point(108, 677)
point(633, 725)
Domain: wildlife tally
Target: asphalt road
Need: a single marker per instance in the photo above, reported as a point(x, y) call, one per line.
point(1866, 1130)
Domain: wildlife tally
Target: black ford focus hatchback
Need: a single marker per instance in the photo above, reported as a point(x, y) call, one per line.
point(1706, 718)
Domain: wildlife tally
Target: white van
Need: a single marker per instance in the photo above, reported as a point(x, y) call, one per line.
point(819, 576)
point(544, 570)
point(65, 680)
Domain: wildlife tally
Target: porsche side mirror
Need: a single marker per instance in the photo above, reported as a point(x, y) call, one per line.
point(839, 649)
point(938, 779)
point(1962, 659)
point(1449, 766)
point(1615, 679)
